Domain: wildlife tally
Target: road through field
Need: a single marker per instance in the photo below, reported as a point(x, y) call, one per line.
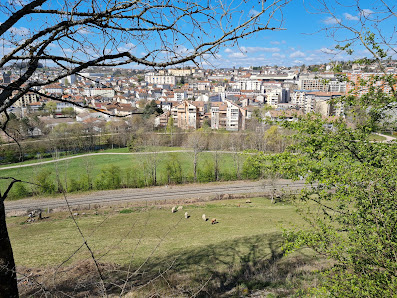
point(160, 193)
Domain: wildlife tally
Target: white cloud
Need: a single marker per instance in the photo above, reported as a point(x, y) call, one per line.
point(84, 31)
point(331, 21)
point(21, 31)
point(227, 50)
point(237, 55)
point(278, 55)
point(297, 54)
point(128, 47)
point(259, 49)
point(253, 12)
point(275, 42)
point(350, 17)
point(327, 51)
point(366, 12)
point(298, 62)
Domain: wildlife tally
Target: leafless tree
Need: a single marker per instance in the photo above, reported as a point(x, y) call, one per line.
point(198, 141)
point(74, 35)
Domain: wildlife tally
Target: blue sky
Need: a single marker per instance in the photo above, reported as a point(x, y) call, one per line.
point(303, 41)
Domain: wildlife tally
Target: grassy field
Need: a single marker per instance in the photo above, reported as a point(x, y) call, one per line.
point(240, 253)
point(377, 138)
point(115, 150)
point(129, 165)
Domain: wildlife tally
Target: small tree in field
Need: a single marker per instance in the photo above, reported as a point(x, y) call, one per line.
point(198, 142)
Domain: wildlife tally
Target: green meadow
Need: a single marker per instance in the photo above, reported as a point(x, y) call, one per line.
point(242, 252)
point(133, 170)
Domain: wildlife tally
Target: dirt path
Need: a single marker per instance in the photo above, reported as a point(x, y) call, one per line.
point(159, 193)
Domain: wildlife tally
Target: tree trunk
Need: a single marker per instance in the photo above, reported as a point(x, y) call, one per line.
point(216, 166)
point(195, 165)
point(8, 277)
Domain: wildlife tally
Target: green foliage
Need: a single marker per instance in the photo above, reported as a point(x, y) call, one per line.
point(173, 170)
point(109, 178)
point(74, 185)
point(150, 109)
point(19, 191)
point(86, 182)
point(356, 195)
point(46, 185)
point(68, 111)
point(253, 166)
point(51, 107)
point(206, 173)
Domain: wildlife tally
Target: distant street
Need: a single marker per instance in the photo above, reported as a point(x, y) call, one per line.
point(160, 193)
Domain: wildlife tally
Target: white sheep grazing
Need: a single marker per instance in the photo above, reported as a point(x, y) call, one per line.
point(204, 217)
point(174, 209)
point(180, 208)
point(187, 215)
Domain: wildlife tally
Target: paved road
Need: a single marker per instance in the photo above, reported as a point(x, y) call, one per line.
point(161, 193)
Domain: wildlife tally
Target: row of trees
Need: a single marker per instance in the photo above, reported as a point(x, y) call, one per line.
point(151, 169)
point(135, 134)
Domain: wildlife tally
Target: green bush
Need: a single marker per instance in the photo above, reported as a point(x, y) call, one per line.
point(109, 178)
point(19, 191)
point(74, 185)
point(206, 174)
point(46, 185)
point(173, 171)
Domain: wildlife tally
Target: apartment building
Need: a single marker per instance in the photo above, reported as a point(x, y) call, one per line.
point(159, 79)
point(104, 92)
point(227, 115)
point(218, 115)
point(188, 116)
point(27, 99)
point(181, 72)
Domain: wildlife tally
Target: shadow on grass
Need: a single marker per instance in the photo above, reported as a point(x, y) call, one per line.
point(234, 268)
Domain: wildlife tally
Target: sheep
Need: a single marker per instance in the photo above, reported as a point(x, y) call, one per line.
point(213, 221)
point(187, 215)
point(173, 210)
point(180, 208)
point(204, 217)
point(248, 201)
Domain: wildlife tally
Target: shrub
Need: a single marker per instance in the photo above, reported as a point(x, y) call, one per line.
point(109, 178)
point(46, 185)
point(19, 191)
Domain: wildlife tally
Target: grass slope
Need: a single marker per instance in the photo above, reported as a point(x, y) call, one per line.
point(237, 252)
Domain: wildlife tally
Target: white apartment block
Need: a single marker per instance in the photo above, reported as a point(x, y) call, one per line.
point(313, 84)
point(27, 99)
point(104, 92)
point(181, 72)
point(336, 86)
point(247, 85)
point(180, 95)
point(234, 118)
point(298, 98)
point(159, 79)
